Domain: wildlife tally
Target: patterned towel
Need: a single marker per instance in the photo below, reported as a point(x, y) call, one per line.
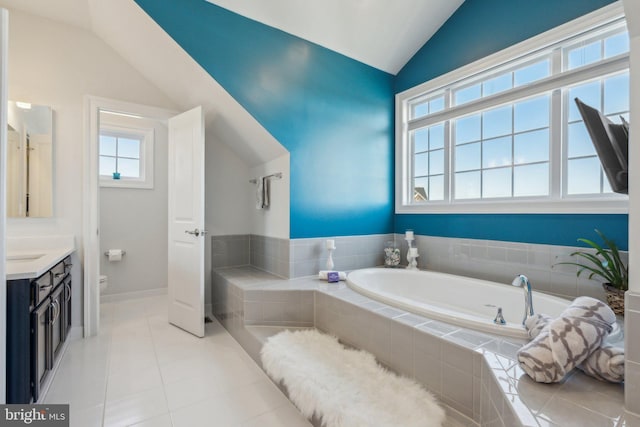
point(567, 341)
point(605, 364)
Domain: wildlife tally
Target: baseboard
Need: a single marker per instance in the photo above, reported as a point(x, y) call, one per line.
point(133, 295)
point(208, 311)
point(75, 333)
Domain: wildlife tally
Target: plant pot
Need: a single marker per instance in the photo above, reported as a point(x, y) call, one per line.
point(615, 299)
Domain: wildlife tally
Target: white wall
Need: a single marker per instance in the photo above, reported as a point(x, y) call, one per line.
point(632, 12)
point(274, 221)
point(55, 64)
point(135, 220)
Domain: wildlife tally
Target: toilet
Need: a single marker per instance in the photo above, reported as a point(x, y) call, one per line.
point(103, 283)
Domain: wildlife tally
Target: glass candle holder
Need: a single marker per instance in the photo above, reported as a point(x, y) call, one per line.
point(391, 254)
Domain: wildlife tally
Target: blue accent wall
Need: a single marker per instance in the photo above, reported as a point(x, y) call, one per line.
point(477, 29)
point(480, 28)
point(549, 229)
point(333, 114)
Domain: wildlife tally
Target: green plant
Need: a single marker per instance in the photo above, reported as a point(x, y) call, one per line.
point(605, 263)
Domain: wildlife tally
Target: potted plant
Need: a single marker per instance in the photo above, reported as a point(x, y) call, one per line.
point(607, 265)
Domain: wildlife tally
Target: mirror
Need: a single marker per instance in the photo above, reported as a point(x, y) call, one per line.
point(29, 160)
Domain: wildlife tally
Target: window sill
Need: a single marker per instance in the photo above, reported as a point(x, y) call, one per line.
point(126, 183)
point(614, 205)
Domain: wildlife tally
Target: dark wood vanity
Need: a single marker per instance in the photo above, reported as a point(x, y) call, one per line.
point(38, 323)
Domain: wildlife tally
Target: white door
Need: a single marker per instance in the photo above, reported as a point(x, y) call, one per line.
point(186, 221)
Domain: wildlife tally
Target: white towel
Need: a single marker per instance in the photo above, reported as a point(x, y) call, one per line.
point(324, 274)
point(567, 341)
point(266, 192)
point(259, 193)
point(605, 364)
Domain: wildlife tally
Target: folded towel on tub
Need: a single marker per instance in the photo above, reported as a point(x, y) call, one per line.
point(606, 363)
point(567, 341)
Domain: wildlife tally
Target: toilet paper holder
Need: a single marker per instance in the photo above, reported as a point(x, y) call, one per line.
point(107, 253)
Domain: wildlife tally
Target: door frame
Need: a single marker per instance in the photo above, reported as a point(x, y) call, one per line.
point(91, 191)
point(4, 52)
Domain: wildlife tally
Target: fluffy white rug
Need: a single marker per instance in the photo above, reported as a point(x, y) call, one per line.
point(345, 387)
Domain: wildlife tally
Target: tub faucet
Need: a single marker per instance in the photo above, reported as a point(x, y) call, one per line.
point(521, 280)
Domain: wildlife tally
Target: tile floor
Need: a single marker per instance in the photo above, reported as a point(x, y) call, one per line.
point(141, 371)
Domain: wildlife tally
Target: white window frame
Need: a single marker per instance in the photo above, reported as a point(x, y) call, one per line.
point(146, 136)
point(524, 51)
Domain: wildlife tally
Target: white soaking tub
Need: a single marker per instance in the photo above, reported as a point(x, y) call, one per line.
point(462, 301)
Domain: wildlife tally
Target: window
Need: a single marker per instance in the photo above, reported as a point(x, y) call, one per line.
point(506, 130)
point(126, 157)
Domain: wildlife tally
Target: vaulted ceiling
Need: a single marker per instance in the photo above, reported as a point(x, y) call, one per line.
point(381, 33)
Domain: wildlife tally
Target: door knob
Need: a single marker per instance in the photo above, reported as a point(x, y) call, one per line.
point(196, 232)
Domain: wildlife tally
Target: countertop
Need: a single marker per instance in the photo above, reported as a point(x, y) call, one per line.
point(30, 257)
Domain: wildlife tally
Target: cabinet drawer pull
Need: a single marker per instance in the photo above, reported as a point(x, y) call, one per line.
point(42, 287)
point(68, 287)
point(58, 275)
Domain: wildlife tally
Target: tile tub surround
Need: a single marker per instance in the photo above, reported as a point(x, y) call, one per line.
point(632, 361)
point(289, 258)
point(474, 373)
point(230, 251)
point(308, 256)
point(502, 261)
point(270, 254)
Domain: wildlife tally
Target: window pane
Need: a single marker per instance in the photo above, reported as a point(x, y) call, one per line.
point(588, 93)
point(579, 141)
point(496, 122)
point(420, 140)
point(584, 55)
point(531, 180)
point(531, 73)
point(468, 185)
point(421, 164)
point(107, 145)
point(467, 94)
point(129, 148)
point(468, 157)
point(436, 136)
point(532, 114)
point(531, 147)
point(496, 183)
point(496, 152)
point(436, 162)
point(583, 176)
point(468, 129)
point(129, 168)
point(436, 188)
point(420, 189)
point(616, 94)
point(107, 165)
point(616, 45)
point(497, 84)
point(419, 110)
point(436, 105)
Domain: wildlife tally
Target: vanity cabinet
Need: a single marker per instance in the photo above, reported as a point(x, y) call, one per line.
point(38, 322)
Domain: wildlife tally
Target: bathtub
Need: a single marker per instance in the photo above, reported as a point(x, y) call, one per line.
point(462, 301)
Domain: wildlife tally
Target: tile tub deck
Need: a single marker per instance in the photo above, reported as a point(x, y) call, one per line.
point(472, 372)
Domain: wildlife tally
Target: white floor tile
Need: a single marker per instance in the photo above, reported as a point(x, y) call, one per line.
point(286, 415)
point(142, 371)
point(135, 408)
point(160, 421)
point(86, 417)
point(121, 384)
